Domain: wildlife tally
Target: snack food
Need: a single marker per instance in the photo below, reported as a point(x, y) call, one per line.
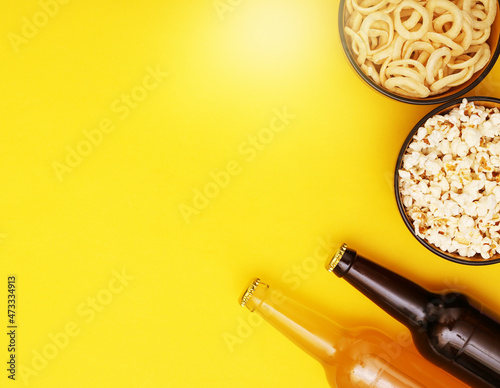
point(449, 181)
point(417, 48)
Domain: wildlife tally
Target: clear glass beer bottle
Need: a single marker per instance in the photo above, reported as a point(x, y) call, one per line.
point(363, 358)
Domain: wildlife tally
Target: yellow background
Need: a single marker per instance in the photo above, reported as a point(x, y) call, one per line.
point(326, 176)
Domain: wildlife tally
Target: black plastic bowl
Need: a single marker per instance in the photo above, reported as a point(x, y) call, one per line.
point(443, 109)
point(451, 94)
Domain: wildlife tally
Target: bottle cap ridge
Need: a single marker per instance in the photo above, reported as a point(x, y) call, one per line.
point(249, 292)
point(336, 259)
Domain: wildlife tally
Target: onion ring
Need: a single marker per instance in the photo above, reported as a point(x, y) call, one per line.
point(455, 12)
point(400, 28)
point(407, 86)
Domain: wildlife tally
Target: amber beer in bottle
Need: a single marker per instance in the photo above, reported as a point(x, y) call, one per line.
point(351, 358)
point(448, 329)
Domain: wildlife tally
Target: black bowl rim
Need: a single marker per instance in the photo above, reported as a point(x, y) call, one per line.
point(442, 109)
point(408, 100)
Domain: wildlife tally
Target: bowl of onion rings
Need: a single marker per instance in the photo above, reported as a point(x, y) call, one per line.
point(421, 51)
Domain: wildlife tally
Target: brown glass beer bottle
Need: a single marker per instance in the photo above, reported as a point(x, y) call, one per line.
point(448, 329)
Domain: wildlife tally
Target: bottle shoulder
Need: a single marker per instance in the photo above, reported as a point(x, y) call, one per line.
point(450, 320)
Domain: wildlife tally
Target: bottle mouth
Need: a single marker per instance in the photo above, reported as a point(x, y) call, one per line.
point(330, 266)
point(249, 292)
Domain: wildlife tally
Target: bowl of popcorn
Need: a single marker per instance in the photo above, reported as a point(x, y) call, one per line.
point(421, 51)
point(447, 181)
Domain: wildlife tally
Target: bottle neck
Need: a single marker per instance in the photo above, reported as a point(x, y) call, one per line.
point(312, 332)
point(402, 299)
